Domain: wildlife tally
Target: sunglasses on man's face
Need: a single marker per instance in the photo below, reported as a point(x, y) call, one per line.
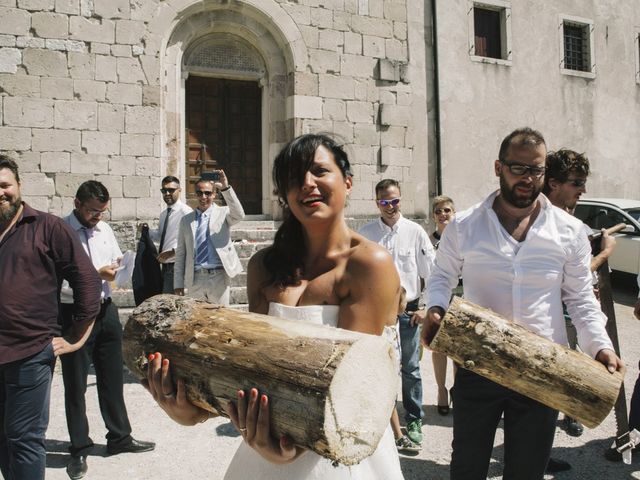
point(167, 190)
point(439, 211)
point(385, 203)
point(577, 182)
point(204, 193)
point(520, 169)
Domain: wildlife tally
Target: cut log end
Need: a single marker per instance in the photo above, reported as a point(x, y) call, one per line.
point(357, 411)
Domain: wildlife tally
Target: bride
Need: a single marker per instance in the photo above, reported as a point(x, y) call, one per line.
point(317, 270)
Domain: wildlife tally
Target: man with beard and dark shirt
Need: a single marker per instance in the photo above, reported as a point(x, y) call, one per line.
point(37, 251)
point(512, 250)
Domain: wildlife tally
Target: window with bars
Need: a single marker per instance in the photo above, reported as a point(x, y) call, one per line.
point(577, 51)
point(487, 32)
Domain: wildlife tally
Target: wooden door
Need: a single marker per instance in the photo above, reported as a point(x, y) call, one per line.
point(223, 121)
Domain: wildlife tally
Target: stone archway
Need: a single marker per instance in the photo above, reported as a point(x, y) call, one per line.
point(264, 27)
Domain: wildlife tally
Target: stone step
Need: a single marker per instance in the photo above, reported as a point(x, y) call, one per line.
point(247, 249)
point(240, 280)
point(238, 295)
point(253, 235)
point(256, 225)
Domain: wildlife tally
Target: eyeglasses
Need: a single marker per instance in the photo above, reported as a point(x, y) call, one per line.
point(168, 190)
point(97, 213)
point(577, 182)
point(384, 203)
point(204, 193)
point(439, 211)
point(519, 169)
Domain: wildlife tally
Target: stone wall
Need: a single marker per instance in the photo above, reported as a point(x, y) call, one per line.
point(89, 89)
point(481, 102)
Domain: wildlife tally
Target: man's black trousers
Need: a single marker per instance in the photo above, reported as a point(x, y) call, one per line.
point(104, 350)
point(478, 406)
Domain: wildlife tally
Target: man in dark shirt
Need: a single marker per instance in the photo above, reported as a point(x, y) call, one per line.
point(37, 251)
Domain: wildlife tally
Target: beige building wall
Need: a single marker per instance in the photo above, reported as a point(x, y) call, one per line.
point(481, 102)
point(94, 89)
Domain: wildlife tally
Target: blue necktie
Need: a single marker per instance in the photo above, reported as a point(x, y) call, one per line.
point(202, 241)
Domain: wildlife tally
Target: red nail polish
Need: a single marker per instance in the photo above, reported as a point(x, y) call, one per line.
point(240, 393)
point(254, 393)
point(151, 356)
point(165, 362)
point(264, 399)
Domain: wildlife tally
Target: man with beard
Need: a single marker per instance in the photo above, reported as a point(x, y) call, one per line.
point(37, 251)
point(166, 235)
point(512, 250)
point(104, 346)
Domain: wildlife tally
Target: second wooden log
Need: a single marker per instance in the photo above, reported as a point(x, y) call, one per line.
point(482, 341)
point(330, 390)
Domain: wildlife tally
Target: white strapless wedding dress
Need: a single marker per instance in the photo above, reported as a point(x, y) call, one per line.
point(384, 464)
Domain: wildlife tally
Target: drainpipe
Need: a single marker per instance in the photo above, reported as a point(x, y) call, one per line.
point(436, 97)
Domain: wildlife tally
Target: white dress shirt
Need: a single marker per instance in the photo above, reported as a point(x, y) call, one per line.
point(523, 281)
point(410, 248)
point(178, 210)
point(102, 248)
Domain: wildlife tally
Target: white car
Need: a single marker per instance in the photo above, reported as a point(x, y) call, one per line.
point(605, 213)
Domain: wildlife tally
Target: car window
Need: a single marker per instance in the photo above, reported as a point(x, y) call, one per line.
point(635, 213)
point(598, 216)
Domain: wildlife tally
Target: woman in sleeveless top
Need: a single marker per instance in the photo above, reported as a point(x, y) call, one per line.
point(316, 267)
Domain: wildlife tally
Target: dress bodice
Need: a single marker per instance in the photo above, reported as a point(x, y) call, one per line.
point(317, 314)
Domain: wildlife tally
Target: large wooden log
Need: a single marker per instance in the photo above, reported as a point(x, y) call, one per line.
point(482, 341)
point(331, 390)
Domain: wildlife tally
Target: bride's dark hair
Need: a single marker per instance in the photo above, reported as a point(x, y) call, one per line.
point(284, 259)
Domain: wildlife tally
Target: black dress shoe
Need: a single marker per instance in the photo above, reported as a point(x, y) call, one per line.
point(134, 446)
point(573, 427)
point(556, 465)
point(77, 467)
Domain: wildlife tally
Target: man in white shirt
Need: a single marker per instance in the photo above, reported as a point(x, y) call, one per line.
point(205, 256)
point(413, 256)
point(521, 257)
point(166, 235)
point(103, 349)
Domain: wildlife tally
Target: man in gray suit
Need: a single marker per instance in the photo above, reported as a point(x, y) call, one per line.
point(205, 256)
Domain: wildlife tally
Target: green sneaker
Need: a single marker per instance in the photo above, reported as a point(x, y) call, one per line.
point(414, 431)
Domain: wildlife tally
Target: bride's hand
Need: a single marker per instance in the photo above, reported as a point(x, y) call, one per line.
point(251, 418)
point(172, 400)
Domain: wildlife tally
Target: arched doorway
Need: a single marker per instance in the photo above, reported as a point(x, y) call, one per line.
point(223, 115)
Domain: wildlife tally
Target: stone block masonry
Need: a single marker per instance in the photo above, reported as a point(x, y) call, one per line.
point(91, 89)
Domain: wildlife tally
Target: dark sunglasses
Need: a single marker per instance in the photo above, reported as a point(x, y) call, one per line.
point(519, 169)
point(168, 190)
point(578, 182)
point(204, 193)
point(384, 203)
point(438, 211)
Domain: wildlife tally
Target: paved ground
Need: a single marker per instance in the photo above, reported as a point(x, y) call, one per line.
point(203, 452)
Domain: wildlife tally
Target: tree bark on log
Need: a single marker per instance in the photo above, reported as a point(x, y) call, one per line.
point(331, 390)
point(480, 340)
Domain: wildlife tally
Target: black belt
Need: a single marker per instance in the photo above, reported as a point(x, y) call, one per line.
point(413, 305)
point(210, 270)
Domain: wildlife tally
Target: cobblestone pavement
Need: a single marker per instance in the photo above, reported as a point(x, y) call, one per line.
point(203, 452)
